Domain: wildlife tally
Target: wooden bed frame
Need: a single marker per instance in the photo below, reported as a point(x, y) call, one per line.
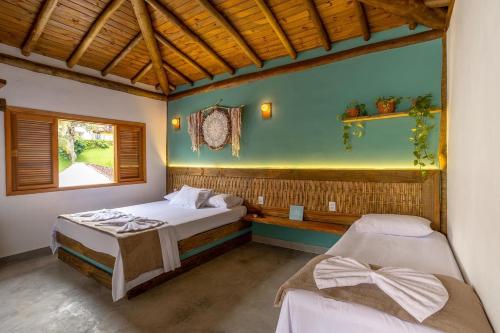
point(185, 245)
point(356, 192)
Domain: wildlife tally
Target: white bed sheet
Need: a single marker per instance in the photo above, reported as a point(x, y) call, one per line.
point(306, 312)
point(186, 223)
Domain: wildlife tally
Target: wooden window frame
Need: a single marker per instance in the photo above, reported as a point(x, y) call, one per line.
point(67, 116)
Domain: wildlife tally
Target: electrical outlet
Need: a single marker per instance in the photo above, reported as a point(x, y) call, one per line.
point(260, 200)
point(332, 206)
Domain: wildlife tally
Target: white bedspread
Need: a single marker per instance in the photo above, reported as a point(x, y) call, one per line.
point(307, 312)
point(182, 223)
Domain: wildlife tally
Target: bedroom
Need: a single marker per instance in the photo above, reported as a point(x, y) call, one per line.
point(289, 130)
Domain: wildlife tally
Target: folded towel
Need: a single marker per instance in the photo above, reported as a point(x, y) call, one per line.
point(134, 224)
point(420, 294)
point(98, 215)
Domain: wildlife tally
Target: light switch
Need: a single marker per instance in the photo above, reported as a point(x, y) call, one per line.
point(260, 200)
point(332, 206)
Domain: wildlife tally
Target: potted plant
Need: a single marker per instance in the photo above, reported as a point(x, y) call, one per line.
point(354, 109)
point(387, 104)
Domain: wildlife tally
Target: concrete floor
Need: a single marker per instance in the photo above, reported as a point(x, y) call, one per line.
point(233, 293)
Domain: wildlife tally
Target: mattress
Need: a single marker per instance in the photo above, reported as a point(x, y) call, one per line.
point(304, 311)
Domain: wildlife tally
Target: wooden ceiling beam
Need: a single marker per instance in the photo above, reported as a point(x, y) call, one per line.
point(93, 32)
point(182, 55)
point(144, 70)
point(38, 26)
point(2, 83)
point(83, 78)
point(174, 71)
point(140, 74)
point(123, 53)
point(318, 24)
point(170, 86)
point(363, 19)
point(271, 18)
point(144, 20)
point(437, 3)
point(413, 10)
point(226, 25)
point(188, 32)
point(412, 25)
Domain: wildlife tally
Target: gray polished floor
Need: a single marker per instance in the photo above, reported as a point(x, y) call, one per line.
point(233, 293)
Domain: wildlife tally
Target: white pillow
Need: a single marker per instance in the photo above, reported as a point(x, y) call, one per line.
point(170, 196)
point(191, 197)
point(224, 201)
point(392, 224)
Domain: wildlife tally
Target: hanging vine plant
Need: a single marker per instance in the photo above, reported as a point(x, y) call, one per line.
point(357, 129)
point(421, 112)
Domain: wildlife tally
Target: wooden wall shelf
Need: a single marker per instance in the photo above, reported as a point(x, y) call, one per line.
point(332, 228)
point(399, 114)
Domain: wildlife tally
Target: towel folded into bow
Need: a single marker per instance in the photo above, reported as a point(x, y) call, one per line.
point(115, 218)
point(420, 294)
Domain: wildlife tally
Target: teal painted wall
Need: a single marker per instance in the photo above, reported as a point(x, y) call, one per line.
point(304, 130)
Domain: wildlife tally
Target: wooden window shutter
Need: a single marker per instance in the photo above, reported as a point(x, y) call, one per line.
point(31, 151)
point(130, 153)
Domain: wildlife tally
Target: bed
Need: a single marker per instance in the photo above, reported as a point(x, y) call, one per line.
point(305, 311)
point(201, 234)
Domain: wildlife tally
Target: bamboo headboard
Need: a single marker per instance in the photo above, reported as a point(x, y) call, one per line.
point(356, 192)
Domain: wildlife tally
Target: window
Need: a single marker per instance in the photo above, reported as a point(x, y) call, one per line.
point(48, 151)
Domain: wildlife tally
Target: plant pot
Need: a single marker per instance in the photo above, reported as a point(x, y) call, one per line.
point(352, 112)
point(384, 107)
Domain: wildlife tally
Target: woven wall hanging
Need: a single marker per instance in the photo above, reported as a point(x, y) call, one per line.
point(216, 126)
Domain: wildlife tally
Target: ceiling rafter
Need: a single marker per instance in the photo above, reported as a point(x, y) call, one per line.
point(412, 25)
point(363, 20)
point(182, 55)
point(188, 32)
point(123, 53)
point(38, 26)
point(141, 73)
point(224, 22)
point(144, 20)
point(278, 29)
point(177, 73)
point(318, 24)
point(93, 31)
point(413, 10)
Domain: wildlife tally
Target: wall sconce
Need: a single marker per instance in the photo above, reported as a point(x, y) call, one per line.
point(176, 123)
point(266, 110)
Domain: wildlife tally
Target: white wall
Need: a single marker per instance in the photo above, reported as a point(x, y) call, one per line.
point(26, 220)
point(474, 147)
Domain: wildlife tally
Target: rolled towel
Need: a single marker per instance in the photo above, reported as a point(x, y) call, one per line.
point(420, 294)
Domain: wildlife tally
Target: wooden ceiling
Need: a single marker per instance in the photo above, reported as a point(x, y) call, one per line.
point(196, 39)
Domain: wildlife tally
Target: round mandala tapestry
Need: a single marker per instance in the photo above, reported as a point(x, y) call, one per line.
point(216, 129)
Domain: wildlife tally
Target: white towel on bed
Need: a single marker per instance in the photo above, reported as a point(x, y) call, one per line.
point(115, 218)
point(420, 294)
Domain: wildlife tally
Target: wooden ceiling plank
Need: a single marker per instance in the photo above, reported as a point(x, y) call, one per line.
point(174, 71)
point(414, 10)
point(70, 75)
point(273, 22)
point(123, 53)
point(144, 70)
point(144, 19)
point(93, 31)
point(38, 26)
point(437, 3)
point(363, 20)
point(182, 55)
point(228, 27)
point(187, 31)
point(316, 19)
